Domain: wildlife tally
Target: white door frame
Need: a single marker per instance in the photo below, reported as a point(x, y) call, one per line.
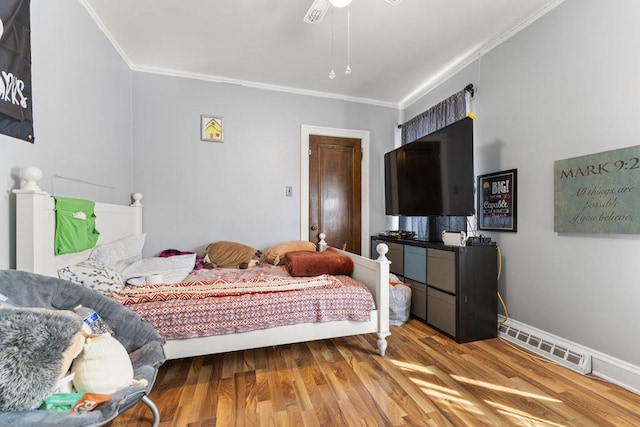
point(363, 135)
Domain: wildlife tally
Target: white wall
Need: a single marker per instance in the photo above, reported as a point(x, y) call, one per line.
point(82, 114)
point(198, 192)
point(566, 86)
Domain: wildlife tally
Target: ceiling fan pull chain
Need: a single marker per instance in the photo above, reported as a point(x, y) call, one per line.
point(332, 74)
point(348, 69)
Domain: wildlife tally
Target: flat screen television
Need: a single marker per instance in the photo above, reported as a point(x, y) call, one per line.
point(432, 175)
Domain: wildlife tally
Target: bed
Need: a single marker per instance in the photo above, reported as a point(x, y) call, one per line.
point(35, 230)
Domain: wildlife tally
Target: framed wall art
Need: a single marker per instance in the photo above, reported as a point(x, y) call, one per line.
point(598, 193)
point(211, 128)
point(497, 201)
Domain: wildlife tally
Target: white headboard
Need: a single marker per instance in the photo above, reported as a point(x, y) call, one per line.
point(36, 224)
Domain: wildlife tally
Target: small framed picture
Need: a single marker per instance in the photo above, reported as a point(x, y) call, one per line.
point(497, 201)
point(211, 128)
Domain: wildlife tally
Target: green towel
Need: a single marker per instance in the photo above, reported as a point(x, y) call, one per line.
point(75, 225)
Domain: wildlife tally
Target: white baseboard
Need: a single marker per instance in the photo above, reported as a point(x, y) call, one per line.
point(616, 371)
point(602, 365)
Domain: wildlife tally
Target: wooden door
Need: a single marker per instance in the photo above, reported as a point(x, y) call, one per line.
point(335, 166)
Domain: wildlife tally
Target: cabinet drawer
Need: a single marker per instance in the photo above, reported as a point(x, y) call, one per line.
point(441, 311)
point(418, 299)
point(441, 270)
point(396, 256)
point(415, 263)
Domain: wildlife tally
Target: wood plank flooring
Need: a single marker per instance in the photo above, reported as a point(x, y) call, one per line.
point(425, 379)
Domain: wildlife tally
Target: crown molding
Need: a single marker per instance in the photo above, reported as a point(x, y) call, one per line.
point(258, 85)
point(465, 60)
point(92, 13)
point(430, 84)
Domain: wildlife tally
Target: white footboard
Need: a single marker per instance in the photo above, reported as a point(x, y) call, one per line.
point(375, 275)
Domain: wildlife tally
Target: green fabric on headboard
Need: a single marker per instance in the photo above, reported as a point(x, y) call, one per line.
point(75, 225)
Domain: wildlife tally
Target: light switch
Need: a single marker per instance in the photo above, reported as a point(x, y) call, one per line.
point(289, 191)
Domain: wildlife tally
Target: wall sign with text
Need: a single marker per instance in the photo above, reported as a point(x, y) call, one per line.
point(598, 193)
point(497, 201)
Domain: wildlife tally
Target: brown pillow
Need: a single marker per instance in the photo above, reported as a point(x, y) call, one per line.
point(231, 255)
point(305, 263)
point(275, 254)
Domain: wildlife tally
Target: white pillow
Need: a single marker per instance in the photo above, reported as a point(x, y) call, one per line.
point(102, 367)
point(93, 274)
point(173, 269)
point(120, 253)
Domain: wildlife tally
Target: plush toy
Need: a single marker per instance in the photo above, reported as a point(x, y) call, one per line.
point(231, 255)
point(36, 350)
point(102, 367)
point(68, 356)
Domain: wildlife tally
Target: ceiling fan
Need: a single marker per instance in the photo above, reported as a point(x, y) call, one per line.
point(319, 8)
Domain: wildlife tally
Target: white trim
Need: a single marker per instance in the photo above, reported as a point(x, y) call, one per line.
point(463, 61)
point(604, 366)
point(259, 85)
point(92, 13)
point(218, 79)
point(363, 135)
point(616, 371)
point(434, 81)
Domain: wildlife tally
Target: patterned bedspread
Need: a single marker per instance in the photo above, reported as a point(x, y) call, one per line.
point(216, 312)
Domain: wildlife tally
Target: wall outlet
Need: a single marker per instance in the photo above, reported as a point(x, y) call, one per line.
point(289, 191)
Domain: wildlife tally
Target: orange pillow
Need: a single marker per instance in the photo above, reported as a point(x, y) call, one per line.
point(304, 263)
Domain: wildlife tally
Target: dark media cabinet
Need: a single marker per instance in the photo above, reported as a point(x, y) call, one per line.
point(454, 288)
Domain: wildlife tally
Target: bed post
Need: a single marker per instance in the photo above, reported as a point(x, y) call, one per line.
point(383, 298)
point(137, 197)
point(31, 225)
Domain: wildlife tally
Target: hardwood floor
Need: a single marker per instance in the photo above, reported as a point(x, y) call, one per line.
point(425, 379)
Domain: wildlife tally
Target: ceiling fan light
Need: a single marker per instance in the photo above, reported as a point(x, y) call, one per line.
point(339, 3)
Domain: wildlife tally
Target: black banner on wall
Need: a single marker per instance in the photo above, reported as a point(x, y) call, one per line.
point(16, 115)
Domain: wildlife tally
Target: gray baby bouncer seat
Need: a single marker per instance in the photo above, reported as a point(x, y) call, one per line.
point(141, 341)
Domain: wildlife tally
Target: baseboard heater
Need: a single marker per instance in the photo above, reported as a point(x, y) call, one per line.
point(546, 345)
